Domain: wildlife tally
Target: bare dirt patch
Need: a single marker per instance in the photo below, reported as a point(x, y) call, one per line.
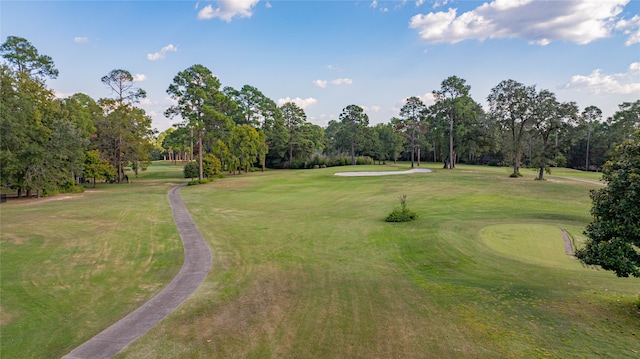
point(5, 317)
point(256, 314)
point(15, 239)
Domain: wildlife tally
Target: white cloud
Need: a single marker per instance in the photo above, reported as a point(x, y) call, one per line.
point(631, 28)
point(374, 4)
point(81, 39)
point(322, 120)
point(539, 22)
point(62, 95)
point(139, 77)
point(342, 81)
point(303, 103)
point(596, 82)
point(162, 53)
point(428, 99)
point(371, 109)
point(228, 9)
point(268, 5)
point(320, 83)
point(147, 102)
point(439, 3)
point(337, 82)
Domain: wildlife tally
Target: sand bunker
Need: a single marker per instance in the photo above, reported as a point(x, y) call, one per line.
point(385, 173)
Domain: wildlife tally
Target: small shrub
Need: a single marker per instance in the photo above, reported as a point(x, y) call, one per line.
point(197, 182)
point(364, 160)
point(191, 170)
point(402, 213)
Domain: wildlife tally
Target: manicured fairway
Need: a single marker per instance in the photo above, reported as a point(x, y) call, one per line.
point(306, 267)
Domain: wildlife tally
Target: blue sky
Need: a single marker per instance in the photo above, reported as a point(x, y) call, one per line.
point(325, 55)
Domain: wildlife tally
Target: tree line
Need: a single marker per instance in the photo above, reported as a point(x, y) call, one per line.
point(49, 144)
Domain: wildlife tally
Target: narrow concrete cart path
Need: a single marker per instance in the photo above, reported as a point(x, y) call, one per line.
point(197, 263)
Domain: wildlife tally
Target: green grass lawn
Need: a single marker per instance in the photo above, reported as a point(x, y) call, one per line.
point(73, 264)
point(305, 267)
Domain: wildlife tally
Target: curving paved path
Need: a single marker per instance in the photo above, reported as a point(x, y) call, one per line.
point(197, 263)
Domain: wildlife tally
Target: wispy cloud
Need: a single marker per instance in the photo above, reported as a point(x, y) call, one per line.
point(630, 27)
point(337, 82)
point(228, 9)
point(597, 82)
point(303, 103)
point(81, 39)
point(342, 81)
point(162, 53)
point(320, 83)
point(539, 22)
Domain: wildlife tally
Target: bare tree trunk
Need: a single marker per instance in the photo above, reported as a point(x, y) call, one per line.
point(451, 158)
point(586, 166)
point(290, 155)
point(353, 153)
point(200, 176)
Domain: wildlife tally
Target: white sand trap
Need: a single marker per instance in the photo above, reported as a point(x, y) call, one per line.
point(385, 173)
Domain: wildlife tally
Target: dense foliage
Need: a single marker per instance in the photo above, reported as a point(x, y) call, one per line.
point(402, 213)
point(51, 143)
point(614, 234)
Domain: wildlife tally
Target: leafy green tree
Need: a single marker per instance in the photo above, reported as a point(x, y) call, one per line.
point(253, 105)
point(244, 146)
point(294, 118)
point(24, 58)
point(28, 114)
point(391, 142)
point(123, 136)
point(310, 141)
point(276, 139)
point(200, 103)
point(97, 168)
point(125, 128)
point(614, 234)
point(82, 111)
point(177, 142)
point(212, 165)
point(511, 105)
point(353, 121)
point(221, 150)
point(255, 109)
point(549, 115)
point(454, 103)
point(412, 116)
point(624, 122)
point(590, 116)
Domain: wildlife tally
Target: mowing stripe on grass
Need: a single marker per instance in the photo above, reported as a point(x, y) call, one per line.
point(196, 266)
